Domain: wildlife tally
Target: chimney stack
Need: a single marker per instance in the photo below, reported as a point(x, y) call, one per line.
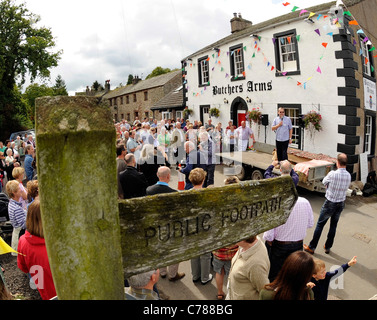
point(238, 23)
point(135, 80)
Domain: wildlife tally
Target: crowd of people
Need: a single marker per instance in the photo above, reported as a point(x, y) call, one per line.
point(277, 265)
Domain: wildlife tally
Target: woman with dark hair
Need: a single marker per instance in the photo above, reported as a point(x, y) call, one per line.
point(292, 281)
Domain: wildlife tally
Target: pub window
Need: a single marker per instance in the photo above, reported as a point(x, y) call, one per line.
point(128, 116)
point(366, 57)
point(145, 95)
point(286, 53)
point(135, 97)
point(127, 99)
point(237, 66)
point(203, 71)
point(370, 134)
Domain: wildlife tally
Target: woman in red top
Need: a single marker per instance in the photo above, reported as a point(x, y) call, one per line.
point(33, 258)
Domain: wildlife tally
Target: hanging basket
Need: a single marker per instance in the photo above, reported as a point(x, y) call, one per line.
point(187, 112)
point(255, 115)
point(214, 112)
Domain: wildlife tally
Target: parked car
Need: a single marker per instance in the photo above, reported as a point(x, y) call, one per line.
point(14, 135)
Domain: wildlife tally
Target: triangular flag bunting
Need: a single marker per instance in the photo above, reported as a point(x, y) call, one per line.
point(286, 4)
point(317, 30)
point(298, 38)
point(5, 248)
point(325, 44)
point(284, 73)
point(371, 49)
point(303, 11)
point(272, 68)
point(311, 14)
point(353, 22)
point(294, 9)
point(330, 34)
point(360, 31)
point(347, 13)
point(299, 83)
point(319, 70)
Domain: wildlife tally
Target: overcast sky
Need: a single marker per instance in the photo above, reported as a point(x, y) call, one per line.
point(111, 39)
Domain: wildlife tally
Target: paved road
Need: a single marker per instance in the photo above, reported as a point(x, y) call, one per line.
point(356, 235)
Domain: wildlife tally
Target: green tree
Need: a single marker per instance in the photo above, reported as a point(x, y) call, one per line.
point(34, 91)
point(60, 88)
point(130, 79)
point(25, 49)
point(157, 71)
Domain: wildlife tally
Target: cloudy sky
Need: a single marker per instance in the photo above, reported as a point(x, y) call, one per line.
point(111, 39)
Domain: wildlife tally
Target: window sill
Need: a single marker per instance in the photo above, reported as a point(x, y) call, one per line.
point(289, 73)
point(237, 79)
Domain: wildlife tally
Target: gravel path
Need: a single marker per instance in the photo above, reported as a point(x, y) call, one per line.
point(17, 282)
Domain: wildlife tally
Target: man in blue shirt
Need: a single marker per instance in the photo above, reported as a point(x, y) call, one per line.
point(282, 125)
point(29, 158)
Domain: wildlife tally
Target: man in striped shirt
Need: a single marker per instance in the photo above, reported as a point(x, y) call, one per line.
point(288, 238)
point(337, 183)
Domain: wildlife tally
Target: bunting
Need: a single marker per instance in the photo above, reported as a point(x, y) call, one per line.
point(257, 49)
point(4, 248)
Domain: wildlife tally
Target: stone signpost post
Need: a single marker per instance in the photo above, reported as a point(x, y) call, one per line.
point(94, 241)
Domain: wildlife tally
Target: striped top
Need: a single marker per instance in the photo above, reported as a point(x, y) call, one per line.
point(294, 229)
point(17, 215)
point(337, 183)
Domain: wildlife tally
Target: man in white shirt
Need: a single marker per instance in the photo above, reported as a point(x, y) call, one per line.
point(244, 133)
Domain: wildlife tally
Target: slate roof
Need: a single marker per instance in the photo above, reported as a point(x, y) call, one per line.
point(173, 99)
point(143, 85)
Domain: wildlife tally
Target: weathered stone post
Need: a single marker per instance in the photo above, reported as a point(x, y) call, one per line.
point(78, 193)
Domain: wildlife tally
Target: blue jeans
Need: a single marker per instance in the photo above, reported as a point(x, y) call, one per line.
point(330, 210)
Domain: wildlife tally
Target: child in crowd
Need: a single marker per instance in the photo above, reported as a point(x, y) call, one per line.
point(321, 279)
point(222, 258)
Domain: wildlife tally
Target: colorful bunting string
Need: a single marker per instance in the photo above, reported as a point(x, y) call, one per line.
point(257, 48)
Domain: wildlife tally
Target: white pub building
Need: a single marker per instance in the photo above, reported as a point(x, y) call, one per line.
point(318, 60)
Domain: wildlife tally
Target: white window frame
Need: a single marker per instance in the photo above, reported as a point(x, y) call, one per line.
point(287, 53)
point(365, 55)
point(166, 115)
point(368, 134)
point(294, 115)
point(238, 62)
point(179, 114)
point(204, 72)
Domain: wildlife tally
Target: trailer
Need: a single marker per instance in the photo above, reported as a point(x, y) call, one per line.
point(251, 165)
